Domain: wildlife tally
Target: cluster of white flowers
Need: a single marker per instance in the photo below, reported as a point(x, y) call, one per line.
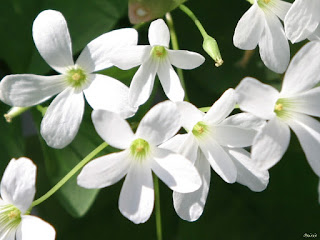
point(182, 161)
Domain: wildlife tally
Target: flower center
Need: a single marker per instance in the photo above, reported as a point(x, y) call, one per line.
point(200, 129)
point(10, 216)
point(159, 52)
point(76, 77)
point(282, 108)
point(263, 3)
point(139, 149)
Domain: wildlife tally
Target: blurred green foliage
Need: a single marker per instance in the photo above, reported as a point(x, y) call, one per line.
point(287, 209)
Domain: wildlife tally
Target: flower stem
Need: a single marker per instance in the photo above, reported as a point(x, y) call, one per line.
point(69, 175)
point(14, 112)
point(187, 11)
point(175, 46)
point(157, 207)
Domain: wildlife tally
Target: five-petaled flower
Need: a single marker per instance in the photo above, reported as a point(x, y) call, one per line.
point(64, 115)
point(17, 193)
point(215, 140)
point(155, 58)
point(290, 108)
point(261, 25)
point(140, 157)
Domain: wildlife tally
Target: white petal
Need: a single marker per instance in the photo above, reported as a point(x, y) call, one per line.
point(137, 196)
point(307, 130)
point(190, 115)
point(257, 98)
point(160, 123)
point(24, 90)
point(249, 28)
point(270, 144)
point(279, 7)
point(307, 102)
point(233, 136)
point(170, 81)
point(34, 228)
point(175, 171)
point(51, 36)
point(303, 72)
point(315, 36)
point(302, 20)
point(62, 120)
point(185, 59)
point(129, 57)
point(219, 160)
point(109, 94)
point(273, 45)
point(247, 174)
point(112, 128)
point(189, 206)
point(221, 108)
point(245, 120)
point(184, 144)
point(142, 83)
point(104, 171)
point(8, 234)
point(96, 55)
point(18, 183)
point(159, 33)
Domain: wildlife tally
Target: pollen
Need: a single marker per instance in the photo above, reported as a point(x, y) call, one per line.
point(278, 107)
point(159, 52)
point(200, 129)
point(76, 77)
point(14, 214)
point(266, 1)
point(139, 149)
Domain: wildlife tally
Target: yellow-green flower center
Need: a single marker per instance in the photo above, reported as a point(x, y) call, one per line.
point(76, 77)
point(200, 129)
point(10, 216)
point(159, 52)
point(282, 108)
point(139, 149)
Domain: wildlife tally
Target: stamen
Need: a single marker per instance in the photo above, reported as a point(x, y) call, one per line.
point(159, 52)
point(139, 149)
point(200, 129)
point(76, 77)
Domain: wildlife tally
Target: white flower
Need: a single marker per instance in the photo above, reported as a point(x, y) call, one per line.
point(141, 155)
point(261, 25)
point(303, 21)
point(155, 58)
point(64, 115)
point(17, 193)
point(289, 108)
point(215, 140)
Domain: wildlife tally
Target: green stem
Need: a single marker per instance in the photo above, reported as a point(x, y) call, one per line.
point(69, 175)
point(175, 46)
point(14, 112)
point(209, 44)
point(187, 11)
point(157, 207)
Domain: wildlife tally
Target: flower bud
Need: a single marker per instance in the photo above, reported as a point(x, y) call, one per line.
point(210, 45)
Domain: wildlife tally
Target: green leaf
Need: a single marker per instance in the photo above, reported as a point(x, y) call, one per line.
point(86, 21)
point(147, 10)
